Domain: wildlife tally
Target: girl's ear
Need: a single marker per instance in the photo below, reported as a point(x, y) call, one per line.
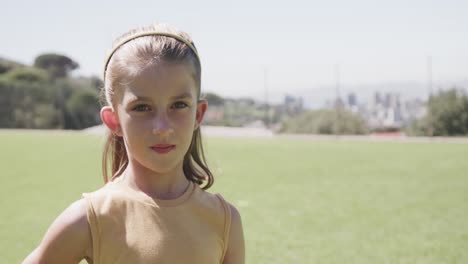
point(201, 109)
point(110, 119)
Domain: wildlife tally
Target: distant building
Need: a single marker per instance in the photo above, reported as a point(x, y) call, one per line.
point(352, 100)
point(384, 110)
point(377, 99)
point(293, 105)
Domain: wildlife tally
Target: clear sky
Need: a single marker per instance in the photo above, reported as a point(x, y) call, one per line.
point(297, 42)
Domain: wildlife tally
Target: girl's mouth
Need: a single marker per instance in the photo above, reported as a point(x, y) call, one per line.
point(163, 148)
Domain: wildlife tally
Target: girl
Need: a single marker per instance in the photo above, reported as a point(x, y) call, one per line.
point(154, 209)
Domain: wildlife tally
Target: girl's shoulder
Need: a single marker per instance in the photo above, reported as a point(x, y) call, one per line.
point(216, 202)
point(232, 233)
point(213, 201)
point(114, 190)
point(103, 191)
point(105, 200)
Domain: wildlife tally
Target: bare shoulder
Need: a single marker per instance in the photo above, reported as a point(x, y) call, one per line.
point(235, 253)
point(68, 239)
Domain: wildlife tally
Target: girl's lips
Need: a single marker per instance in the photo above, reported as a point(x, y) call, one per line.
point(163, 148)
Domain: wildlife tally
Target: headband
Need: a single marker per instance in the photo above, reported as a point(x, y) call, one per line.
point(144, 34)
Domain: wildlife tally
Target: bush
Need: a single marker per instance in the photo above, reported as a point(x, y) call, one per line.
point(447, 115)
point(45, 97)
point(27, 74)
point(83, 107)
point(325, 122)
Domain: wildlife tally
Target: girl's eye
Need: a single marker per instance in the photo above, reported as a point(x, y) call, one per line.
point(142, 108)
point(179, 105)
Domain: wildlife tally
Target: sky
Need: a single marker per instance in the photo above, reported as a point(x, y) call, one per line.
point(248, 47)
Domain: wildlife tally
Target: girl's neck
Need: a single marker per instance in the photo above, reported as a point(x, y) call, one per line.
point(163, 186)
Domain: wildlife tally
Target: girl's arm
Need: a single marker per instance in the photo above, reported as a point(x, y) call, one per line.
point(235, 253)
point(68, 239)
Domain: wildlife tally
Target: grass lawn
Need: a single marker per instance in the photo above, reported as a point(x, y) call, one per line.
point(301, 201)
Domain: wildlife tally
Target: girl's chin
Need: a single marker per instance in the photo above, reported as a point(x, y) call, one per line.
point(157, 167)
point(164, 167)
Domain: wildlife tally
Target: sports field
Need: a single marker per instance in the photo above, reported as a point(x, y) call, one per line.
point(302, 201)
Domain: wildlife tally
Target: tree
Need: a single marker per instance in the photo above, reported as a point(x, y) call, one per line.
point(8, 65)
point(83, 108)
point(447, 115)
point(26, 104)
point(26, 74)
point(45, 97)
point(6, 105)
point(57, 65)
point(214, 99)
point(325, 122)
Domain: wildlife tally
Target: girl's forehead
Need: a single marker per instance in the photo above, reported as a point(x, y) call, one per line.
point(162, 79)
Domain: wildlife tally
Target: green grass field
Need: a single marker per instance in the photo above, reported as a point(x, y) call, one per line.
point(301, 201)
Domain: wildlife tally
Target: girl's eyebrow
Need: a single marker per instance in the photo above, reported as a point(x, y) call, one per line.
point(185, 95)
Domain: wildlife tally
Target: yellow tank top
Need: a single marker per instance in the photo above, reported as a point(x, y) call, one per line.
point(128, 226)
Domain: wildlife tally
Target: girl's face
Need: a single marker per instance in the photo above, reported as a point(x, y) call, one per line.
point(158, 112)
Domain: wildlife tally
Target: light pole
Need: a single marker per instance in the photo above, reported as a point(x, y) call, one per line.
point(337, 103)
point(267, 108)
point(430, 129)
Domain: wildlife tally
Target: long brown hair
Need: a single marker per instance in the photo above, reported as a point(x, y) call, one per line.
point(130, 59)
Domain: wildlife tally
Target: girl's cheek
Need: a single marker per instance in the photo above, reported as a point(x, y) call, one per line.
point(138, 124)
point(185, 119)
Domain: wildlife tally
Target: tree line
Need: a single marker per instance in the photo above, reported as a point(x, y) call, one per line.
point(45, 96)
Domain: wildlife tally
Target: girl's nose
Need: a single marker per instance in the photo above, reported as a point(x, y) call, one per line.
point(162, 126)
